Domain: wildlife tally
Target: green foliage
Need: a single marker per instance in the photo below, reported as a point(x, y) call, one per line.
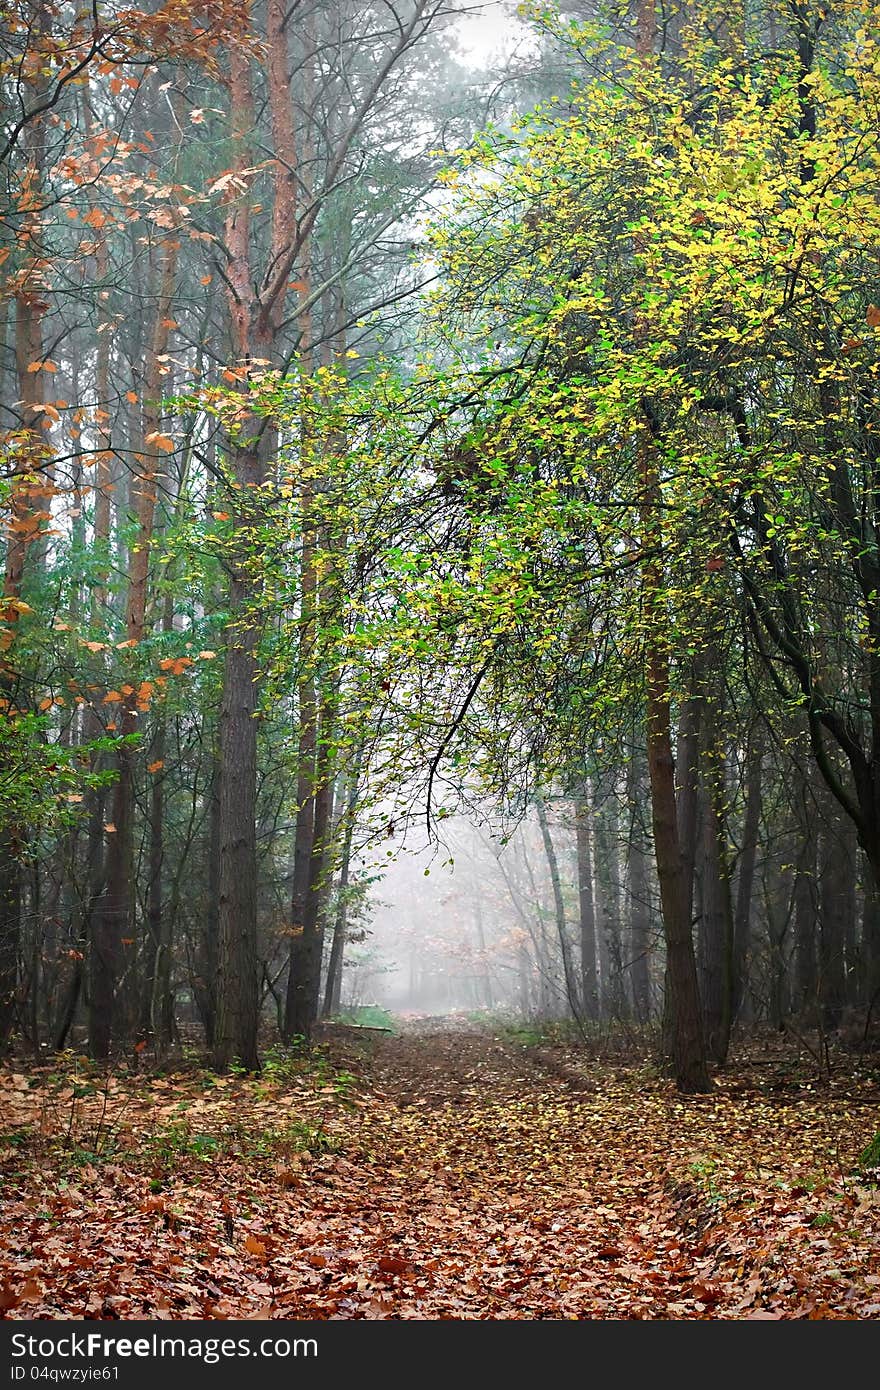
point(674, 263)
point(368, 1016)
point(869, 1158)
point(42, 782)
point(178, 1140)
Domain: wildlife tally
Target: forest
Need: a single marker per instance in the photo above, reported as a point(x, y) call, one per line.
point(440, 659)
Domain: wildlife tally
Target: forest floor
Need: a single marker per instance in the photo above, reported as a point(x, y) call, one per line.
point(453, 1174)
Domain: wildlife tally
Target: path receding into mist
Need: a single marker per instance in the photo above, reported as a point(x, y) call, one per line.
point(459, 1175)
point(510, 1191)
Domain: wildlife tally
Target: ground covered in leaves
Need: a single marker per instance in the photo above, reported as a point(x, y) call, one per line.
point(449, 1174)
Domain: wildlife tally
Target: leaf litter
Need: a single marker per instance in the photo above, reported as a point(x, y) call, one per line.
point(435, 1175)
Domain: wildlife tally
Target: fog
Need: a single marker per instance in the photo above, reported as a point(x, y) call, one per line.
point(472, 926)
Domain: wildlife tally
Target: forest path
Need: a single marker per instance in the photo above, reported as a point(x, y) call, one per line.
point(517, 1192)
point(521, 1182)
point(442, 1173)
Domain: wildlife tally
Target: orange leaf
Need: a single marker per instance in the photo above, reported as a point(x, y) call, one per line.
point(161, 441)
point(154, 767)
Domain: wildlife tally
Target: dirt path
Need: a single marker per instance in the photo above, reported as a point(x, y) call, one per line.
point(504, 1188)
point(459, 1176)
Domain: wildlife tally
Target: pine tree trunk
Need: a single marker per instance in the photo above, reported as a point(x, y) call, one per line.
point(237, 1019)
point(205, 983)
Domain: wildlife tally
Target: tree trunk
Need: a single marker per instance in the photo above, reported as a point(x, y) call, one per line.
point(806, 901)
point(607, 866)
point(587, 912)
point(114, 934)
point(684, 1027)
point(30, 490)
point(237, 1020)
point(837, 910)
point(571, 989)
point(639, 895)
point(10, 927)
point(742, 922)
point(333, 991)
point(205, 982)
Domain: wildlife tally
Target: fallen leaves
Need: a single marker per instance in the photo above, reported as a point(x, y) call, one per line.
point(459, 1176)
